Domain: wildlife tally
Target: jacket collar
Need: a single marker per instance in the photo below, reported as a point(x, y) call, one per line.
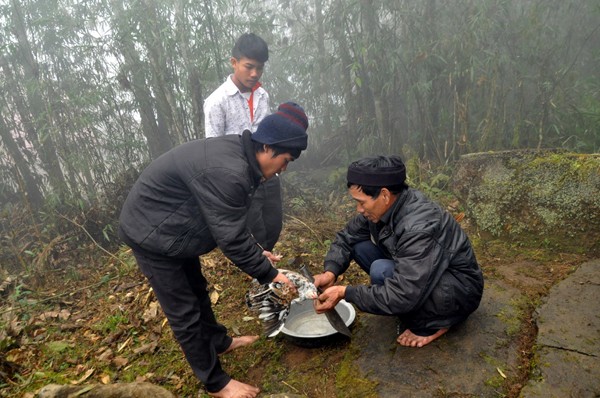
point(388, 215)
point(251, 156)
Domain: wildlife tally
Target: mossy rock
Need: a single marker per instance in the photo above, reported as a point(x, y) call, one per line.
point(551, 195)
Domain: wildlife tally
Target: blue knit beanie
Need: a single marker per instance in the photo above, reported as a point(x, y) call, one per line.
point(285, 128)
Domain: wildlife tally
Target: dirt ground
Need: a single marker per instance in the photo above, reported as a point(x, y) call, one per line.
point(96, 321)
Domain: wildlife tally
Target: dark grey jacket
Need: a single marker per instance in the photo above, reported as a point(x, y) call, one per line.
point(437, 281)
point(194, 198)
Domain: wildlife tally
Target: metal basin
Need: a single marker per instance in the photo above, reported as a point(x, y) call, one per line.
point(305, 327)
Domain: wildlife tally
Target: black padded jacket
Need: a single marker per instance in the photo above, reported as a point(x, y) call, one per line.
point(195, 198)
point(437, 280)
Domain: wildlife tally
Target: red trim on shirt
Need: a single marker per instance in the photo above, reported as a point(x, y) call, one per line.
point(251, 101)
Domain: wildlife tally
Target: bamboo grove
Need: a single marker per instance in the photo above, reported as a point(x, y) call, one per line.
point(94, 89)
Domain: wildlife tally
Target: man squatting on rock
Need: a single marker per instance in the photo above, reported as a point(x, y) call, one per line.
point(420, 262)
point(191, 200)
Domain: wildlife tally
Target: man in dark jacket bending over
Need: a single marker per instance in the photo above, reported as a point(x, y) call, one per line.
point(420, 262)
point(191, 200)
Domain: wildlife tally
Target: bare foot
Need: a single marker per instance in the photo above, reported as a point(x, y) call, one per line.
point(409, 339)
point(241, 341)
point(236, 389)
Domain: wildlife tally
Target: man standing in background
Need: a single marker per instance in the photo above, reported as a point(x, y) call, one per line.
point(239, 104)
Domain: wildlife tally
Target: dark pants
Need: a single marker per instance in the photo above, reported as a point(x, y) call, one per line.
point(181, 290)
point(373, 261)
point(265, 217)
point(425, 321)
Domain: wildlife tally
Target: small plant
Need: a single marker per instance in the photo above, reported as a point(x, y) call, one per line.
point(111, 323)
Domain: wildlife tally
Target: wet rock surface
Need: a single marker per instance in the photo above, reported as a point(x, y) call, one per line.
point(474, 358)
point(569, 338)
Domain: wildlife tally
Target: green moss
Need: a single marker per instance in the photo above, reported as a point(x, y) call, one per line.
point(349, 382)
point(555, 195)
point(497, 380)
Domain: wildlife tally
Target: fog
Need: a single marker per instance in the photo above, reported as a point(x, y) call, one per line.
point(93, 90)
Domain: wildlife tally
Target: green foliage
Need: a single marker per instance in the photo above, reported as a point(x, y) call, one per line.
point(112, 323)
point(298, 204)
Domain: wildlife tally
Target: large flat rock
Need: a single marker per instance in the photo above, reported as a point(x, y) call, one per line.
point(473, 358)
point(568, 340)
point(468, 361)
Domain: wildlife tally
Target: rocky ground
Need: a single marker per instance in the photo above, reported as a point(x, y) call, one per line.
point(476, 359)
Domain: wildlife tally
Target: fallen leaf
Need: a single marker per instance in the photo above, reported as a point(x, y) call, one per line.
point(214, 297)
point(151, 312)
point(91, 336)
point(15, 327)
point(123, 345)
point(177, 382)
point(64, 314)
point(501, 373)
point(80, 368)
point(38, 332)
point(146, 348)
point(49, 315)
point(85, 376)
point(119, 362)
point(105, 355)
point(58, 346)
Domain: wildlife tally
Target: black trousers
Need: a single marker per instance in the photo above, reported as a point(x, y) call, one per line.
point(265, 217)
point(181, 290)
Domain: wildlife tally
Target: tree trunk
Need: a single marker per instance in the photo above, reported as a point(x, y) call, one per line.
point(321, 76)
point(32, 191)
point(191, 68)
point(352, 107)
point(37, 117)
point(158, 142)
point(162, 74)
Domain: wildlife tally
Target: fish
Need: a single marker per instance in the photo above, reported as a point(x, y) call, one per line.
point(272, 301)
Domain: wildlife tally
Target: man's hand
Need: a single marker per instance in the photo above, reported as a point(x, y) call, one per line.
point(273, 258)
point(324, 280)
point(329, 298)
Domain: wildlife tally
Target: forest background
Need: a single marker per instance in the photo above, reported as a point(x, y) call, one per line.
point(93, 90)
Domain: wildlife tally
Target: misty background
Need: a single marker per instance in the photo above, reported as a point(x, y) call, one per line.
point(93, 90)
